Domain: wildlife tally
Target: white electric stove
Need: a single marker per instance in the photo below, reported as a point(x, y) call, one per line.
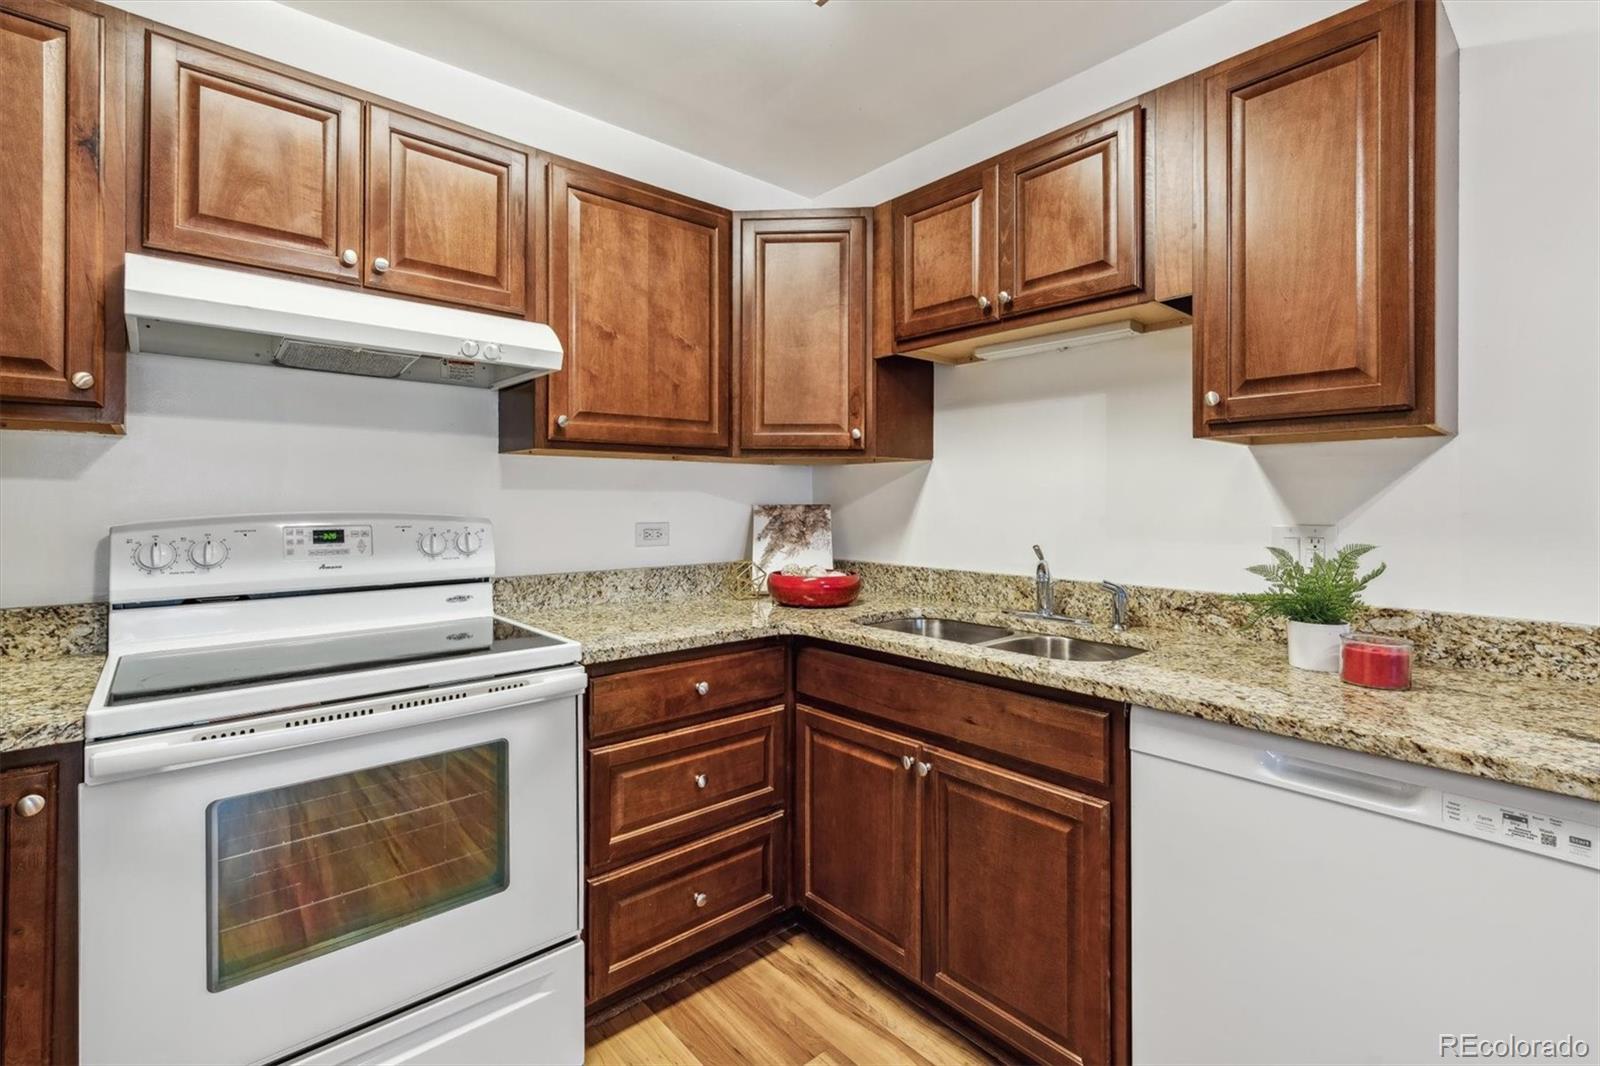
point(331, 805)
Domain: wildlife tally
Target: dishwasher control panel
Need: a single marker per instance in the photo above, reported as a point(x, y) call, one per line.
point(1544, 834)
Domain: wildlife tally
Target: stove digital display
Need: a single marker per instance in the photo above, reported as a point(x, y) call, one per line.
point(327, 536)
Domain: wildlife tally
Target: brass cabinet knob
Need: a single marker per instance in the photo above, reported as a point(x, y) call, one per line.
point(30, 805)
point(83, 380)
point(1212, 399)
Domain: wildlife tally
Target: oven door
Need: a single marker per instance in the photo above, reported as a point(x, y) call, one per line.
point(251, 890)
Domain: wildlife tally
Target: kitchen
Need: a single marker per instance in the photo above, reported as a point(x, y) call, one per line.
point(720, 828)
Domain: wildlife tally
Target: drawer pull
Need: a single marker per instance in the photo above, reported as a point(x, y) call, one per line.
point(923, 768)
point(700, 899)
point(907, 761)
point(702, 687)
point(30, 805)
point(699, 780)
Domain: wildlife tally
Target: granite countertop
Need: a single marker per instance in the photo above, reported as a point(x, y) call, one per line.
point(1538, 733)
point(42, 700)
point(1542, 734)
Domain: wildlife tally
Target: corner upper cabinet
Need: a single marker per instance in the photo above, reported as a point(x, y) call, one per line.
point(1070, 215)
point(639, 284)
point(945, 269)
point(1327, 247)
point(446, 214)
point(250, 166)
point(61, 227)
point(801, 330)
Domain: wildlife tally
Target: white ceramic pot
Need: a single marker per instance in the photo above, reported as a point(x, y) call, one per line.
point(1313, 646)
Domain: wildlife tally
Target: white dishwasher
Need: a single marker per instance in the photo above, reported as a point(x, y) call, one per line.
point(1296, 903)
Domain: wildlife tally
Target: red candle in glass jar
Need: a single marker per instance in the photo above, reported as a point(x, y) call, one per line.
point(1374, 661)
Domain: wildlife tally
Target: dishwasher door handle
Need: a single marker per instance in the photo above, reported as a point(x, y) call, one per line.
point(1339, 783)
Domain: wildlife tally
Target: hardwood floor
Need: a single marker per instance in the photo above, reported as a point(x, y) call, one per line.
point(788, 999)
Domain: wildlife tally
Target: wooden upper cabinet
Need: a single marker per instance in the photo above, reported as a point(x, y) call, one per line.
point(250, 166)
point(1070, 215)
point(1017, 889)
point(859, 842)
point(1307, 296)
point(60, 169)
point(447, 214)
point(638, 296)
point(802, 331)
point(28, 890)
point(944, 253)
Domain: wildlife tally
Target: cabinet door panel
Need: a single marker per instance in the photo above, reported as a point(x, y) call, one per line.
point(859, 845)
point(944, 253)
point(52, 311)
point(448, 213)
point(802, 332)
point(249, 166)
point(28, 892)
point(1070, 215)
point(1306, 307)
point(637, 295)
point(1018, 903)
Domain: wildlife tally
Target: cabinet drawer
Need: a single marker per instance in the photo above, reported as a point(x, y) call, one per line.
point(645, 917)
point(644, 794)
point(659, 695)
point(1067, 737)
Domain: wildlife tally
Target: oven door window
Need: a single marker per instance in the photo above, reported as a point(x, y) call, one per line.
point(299, 871)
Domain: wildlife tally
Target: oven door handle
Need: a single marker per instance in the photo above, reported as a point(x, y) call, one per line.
point(136, 756)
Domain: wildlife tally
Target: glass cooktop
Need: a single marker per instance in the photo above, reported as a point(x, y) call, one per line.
point(183, 671)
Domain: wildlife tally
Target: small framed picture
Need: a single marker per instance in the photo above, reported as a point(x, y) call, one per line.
point(790, 535)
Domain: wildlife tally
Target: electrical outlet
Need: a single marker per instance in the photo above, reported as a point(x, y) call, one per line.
point(651, 534)
point(1304, 542)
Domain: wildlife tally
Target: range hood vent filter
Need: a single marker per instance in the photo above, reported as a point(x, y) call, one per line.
point(309, 355)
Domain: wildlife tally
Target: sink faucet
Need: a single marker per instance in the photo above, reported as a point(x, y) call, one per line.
point(1044, 595)
point(1119, 605)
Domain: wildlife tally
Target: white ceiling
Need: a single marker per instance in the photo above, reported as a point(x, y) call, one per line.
point(804, 97)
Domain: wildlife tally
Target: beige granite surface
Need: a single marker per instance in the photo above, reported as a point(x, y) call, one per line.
point(1503, 699)
point(1539, 733)
point(42, 700)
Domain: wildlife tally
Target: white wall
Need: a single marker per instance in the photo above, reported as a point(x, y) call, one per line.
point(207, 438)
point(1090, 453)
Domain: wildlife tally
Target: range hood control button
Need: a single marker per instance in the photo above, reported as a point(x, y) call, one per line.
point(491, 351)
point(469, 348)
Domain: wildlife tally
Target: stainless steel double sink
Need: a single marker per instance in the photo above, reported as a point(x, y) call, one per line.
point(1043, 645)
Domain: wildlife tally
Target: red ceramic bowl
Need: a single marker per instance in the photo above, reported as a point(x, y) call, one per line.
point(835, 590)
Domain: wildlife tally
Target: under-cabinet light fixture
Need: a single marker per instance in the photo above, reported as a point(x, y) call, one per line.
point(1059, 342)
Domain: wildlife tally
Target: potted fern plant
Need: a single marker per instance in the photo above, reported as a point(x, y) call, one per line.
point(1318, 601)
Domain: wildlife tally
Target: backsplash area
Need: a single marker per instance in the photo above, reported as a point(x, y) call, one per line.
point(1511, 647)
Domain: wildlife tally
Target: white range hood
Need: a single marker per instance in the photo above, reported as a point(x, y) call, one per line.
point(175, 307)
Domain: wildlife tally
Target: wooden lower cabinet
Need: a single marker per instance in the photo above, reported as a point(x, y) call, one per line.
point(859, 812)
point(648, 916)
point(38, 890)
point(1016, 889)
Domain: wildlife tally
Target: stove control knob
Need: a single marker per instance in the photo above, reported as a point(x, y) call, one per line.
point(208, 553)
point(432, 544)
point(468, 541)
point(154, 555)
